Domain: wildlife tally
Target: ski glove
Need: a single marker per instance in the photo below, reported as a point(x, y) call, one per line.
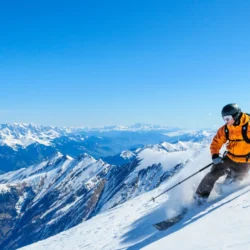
point(217, 159)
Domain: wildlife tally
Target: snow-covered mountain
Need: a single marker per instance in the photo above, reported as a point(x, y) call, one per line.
point(222, 223)
point(22, 145)
point(22, 134)
point(188, 135)
point(124, 157)
point(61, 192)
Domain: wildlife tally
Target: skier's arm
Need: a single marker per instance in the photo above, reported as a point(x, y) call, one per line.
point(218, 141)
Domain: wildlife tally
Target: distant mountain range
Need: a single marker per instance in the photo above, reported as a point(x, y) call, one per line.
point(21, 134)
point(60, 192)
point(22, 145)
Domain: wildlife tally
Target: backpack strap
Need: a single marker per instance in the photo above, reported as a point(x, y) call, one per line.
point(245, 138)
point(244, 132)
point(226, 132)
point(247, 156)
point(227, 135)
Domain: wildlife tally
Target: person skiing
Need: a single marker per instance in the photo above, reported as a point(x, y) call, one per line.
point(236, 160)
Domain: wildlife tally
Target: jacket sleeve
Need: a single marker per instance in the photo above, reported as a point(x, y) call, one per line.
point(218, 141)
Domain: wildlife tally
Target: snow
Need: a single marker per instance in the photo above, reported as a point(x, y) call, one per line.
point(182, 132)
point(127, 154)
point(223, 223)
point(178, 133)
point(22, 134)
point(67, 207)
point(154, 154)
point(19, 203)
point(4, 189)
point(25, 134)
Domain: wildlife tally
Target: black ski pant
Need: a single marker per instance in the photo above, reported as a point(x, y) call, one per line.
point(234, 170)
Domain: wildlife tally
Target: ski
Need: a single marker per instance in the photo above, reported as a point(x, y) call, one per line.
point(163, 225)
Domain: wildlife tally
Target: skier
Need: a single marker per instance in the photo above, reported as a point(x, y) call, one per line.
point(236, 160)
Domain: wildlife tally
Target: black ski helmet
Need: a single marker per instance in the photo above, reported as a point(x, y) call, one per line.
point(231, 109)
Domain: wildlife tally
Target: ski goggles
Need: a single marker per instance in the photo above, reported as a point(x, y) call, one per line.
point(227, 118)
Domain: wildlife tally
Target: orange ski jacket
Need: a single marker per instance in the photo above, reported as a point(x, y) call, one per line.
point(238, 148)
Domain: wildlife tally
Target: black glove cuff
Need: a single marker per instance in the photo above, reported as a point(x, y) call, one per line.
point(214, 156)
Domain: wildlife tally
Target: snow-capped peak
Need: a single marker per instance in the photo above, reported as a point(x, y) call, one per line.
point(25, 134)
point(127, 154)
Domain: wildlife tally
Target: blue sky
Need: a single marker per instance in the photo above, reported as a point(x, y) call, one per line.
point(94, 63)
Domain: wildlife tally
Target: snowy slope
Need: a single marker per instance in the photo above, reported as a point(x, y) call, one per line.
point(46, 198)
point(61, 192)
point(153, 166)
point(223, 223)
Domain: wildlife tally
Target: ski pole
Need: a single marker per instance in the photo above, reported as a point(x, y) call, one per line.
point(153, 198)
